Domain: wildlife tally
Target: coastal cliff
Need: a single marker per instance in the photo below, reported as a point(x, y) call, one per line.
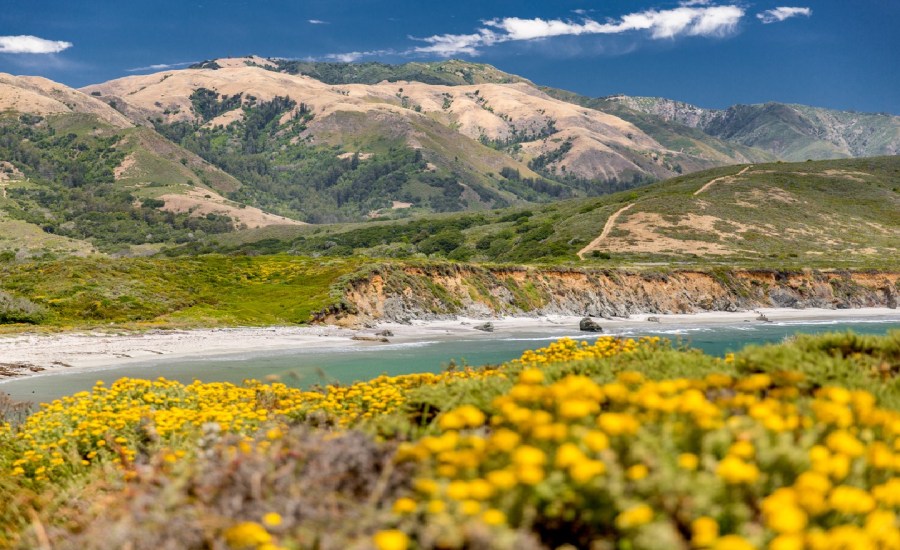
point(402, 293)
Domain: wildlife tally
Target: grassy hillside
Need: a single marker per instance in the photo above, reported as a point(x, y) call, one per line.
point(616, 444)
point(232, 151)
point(825, 213)
point(359, 165)
point(500, 139)
point(81, 184)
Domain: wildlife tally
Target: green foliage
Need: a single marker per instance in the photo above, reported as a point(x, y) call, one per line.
point(447, 73)
point(282, 173)
point(74, 193)
point(446, 241)
point(205, 291)
point(542, 161)
point(849, 360)
point(19, 310)
point(207, 105)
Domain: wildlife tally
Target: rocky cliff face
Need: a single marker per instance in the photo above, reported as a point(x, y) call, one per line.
point(404, 293)
point(670, 110)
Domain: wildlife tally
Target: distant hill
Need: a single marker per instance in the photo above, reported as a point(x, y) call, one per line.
point(786, 131)
point(142, 163)
point(829, 213)
point(452, 72)
point(485, 138)
point(76, 176)
point(790, 132)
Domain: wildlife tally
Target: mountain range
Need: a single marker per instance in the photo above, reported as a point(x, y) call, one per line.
point(138, 163)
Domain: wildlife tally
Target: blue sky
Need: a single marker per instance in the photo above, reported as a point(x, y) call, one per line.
point(830, 53)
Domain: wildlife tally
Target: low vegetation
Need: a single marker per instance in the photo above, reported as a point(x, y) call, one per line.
point(70, 190)
point(144, 293)
point(827, 213)
point(615, 444)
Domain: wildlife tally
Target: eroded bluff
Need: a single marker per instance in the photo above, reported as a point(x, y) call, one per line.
point(402, 293)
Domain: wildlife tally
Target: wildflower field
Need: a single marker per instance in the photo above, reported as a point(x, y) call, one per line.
point(619, 444)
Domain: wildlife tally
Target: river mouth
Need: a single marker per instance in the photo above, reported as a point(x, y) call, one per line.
point(304, 367)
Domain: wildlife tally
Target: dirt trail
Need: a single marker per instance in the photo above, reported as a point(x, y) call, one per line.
point(722, 178)
point(606, 229)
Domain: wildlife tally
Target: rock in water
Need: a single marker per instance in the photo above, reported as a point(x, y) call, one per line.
point(487, 327)
point(589, 325)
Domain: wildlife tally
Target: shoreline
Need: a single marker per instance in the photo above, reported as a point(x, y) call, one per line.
point(25, 355)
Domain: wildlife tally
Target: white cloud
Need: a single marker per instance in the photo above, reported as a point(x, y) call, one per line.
point(446, 45)
point(316, 22)
point(350, 57)
point(685, 20)
point(782, 13)
point(530, 29)
point(31, 44)
point(692, 21)
point(161, 66)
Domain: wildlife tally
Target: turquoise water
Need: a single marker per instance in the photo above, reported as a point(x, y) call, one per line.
point(304, 368)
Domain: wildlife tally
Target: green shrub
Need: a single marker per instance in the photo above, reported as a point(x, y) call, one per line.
point(19, 310)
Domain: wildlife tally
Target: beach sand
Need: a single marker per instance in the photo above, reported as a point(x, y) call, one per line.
point(27, 354)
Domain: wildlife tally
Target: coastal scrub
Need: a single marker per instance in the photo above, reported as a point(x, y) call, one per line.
point(614, 444)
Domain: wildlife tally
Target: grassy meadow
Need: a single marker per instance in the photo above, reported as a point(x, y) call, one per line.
point(176, 292)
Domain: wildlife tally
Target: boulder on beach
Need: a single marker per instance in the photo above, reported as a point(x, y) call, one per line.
point(486, 327)
point(589, 325)
point(362, 338)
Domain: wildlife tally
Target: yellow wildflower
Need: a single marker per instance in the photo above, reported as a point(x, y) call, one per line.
point(391, 539)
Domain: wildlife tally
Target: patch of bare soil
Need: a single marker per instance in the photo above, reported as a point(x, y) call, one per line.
point(200, 202)
point(349, 155)
point(755, 197)
point(645, 234)
point(123, 168)
point(227, 118)
point(9, 172)
point(847, 174)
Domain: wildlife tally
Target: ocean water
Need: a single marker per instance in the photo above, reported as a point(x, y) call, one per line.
point(303, 368)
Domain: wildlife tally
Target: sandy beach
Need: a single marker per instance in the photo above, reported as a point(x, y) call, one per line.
point(28, 354)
